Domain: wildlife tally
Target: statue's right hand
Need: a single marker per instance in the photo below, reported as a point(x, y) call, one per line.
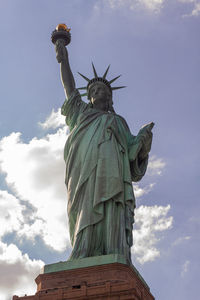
point(61, 51)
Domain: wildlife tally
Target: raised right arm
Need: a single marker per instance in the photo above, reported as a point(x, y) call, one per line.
point(67, 77)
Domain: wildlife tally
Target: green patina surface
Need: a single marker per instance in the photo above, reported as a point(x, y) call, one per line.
point(89, 262)
point(85, 262)
point(102, 159)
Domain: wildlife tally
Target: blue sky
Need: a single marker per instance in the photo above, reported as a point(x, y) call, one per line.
point(155, 45)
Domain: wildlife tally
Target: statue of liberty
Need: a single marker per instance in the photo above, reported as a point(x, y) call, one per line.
point(102, 160)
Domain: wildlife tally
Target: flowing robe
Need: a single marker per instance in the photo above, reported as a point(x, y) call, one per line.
point(99, 175)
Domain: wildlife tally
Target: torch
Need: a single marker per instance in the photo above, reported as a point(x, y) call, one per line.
point(62, 32)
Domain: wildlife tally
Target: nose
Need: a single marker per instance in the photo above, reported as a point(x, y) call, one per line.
point(96, 91)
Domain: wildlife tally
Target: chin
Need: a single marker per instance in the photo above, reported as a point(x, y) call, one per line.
point(99, 100)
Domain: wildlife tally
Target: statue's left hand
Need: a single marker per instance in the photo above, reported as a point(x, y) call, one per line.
point(146, 135)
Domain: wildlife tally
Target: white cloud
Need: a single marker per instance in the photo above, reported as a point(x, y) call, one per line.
point(185, 268)
point(155, 166)
point(18, 270)
point(35, 172)
point(196, 10)
point(11, 217)
point(153, 5)
point(148, 222)
point(150, 5)
point(140, 191)
point(53, 121)
point(195, 7)
point(180, 240)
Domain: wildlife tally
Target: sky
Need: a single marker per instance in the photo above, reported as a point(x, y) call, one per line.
point(155, 45)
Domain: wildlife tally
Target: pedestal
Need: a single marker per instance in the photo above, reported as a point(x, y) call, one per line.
point(114, 280)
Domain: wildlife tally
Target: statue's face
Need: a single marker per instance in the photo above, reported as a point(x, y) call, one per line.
point(100, 95)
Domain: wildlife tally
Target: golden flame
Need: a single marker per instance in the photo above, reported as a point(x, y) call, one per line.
point(63, 27)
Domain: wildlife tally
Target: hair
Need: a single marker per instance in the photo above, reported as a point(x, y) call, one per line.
point(109, 99)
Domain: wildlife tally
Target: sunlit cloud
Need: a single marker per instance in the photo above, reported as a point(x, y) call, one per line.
point(11, 213)
point(140, 191)
point(54, 120)
point(18, 270)
point(155, 165)
point(35, 172)
point(149, 221)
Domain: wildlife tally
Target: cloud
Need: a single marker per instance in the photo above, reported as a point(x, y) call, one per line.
point(150, 5)
point(35, 171)
point(196, 10)
point(18, 270)
point(194, 5)
point(11, 213)
point(149, 221)
point(155, 166)
point(54, 120)
point(185, 268)
point(140, 191)
point(180, 240)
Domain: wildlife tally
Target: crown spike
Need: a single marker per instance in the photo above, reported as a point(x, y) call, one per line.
point(106, 72)
point(99, 79)
point(117, 87)
point(85, 94)
point(83, 88)
point(111, 81)
point(94, 70)
point(87, 79)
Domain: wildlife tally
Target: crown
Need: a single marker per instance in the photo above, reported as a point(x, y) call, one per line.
point(99, 79)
